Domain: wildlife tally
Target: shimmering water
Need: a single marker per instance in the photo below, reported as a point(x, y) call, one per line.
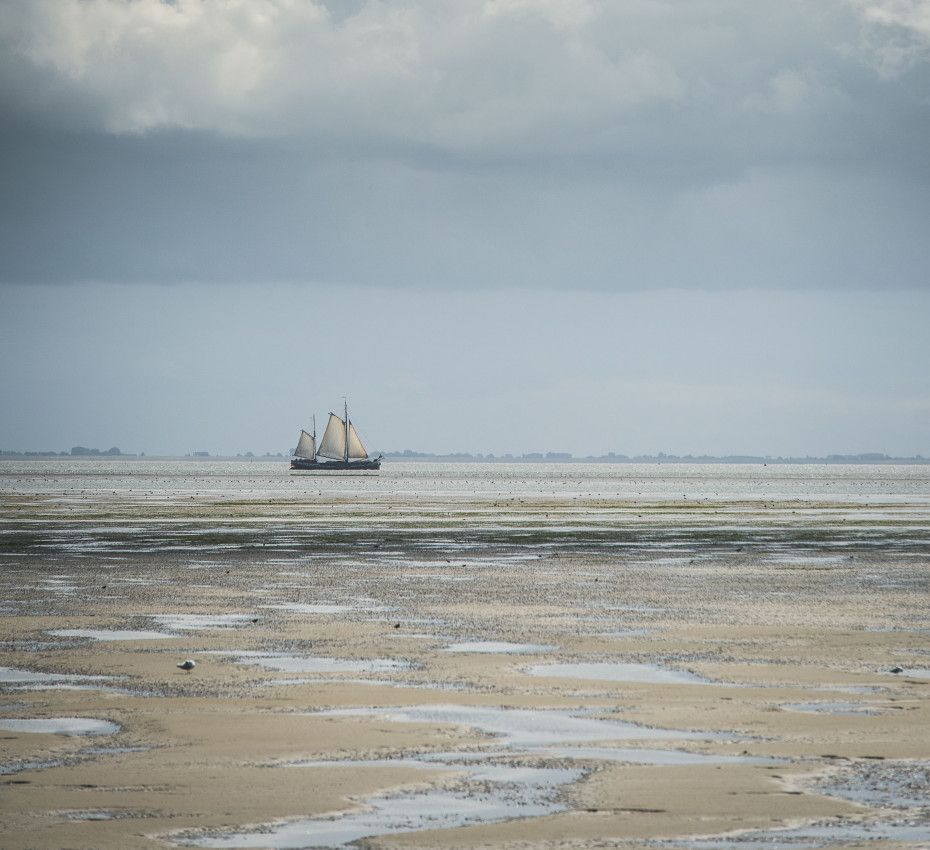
point(526, 729)
point(487, 788)
point(154, 480)
point(618, 672)
point(111, 634)
point(499, 647)
point(285, 663)
point(68, 726)
point(793, 516)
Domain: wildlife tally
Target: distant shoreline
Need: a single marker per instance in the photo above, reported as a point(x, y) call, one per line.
point(870, 459)
point(865, 459)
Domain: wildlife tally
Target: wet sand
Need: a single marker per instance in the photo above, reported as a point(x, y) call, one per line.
point(460, 671)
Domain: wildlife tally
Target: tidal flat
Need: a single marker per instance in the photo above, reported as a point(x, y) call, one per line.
point(463, 655)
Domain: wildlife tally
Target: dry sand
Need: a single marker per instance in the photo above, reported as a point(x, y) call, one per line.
point(771, 604)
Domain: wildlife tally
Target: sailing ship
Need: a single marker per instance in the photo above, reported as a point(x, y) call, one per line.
point(340, 449)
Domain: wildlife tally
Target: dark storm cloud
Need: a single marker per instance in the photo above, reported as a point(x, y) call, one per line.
point(533, 142)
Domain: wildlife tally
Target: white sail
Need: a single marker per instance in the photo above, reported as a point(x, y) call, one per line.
point(356, 449)
point(306, 445)
point(333, 444)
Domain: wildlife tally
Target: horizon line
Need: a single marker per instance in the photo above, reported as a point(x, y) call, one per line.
point(80, 452)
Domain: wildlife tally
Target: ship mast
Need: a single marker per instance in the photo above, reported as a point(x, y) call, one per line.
point(346, 423)
point(314, 438)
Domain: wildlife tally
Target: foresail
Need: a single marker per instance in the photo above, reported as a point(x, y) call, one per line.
point(333, 444)
point(356, 449)
point(306, 446)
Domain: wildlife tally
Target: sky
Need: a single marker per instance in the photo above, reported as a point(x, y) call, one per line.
point(691, 226)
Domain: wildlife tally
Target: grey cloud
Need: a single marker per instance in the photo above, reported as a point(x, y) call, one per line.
point(171, 209)
point(556, 143)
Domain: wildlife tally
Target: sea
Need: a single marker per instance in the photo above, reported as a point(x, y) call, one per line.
point(854, 483)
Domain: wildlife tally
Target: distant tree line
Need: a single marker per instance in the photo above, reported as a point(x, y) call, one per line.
point(661, 457)
point(527, 457)
point(76, 451)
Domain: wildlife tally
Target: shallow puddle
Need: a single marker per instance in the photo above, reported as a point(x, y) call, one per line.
point(309, 608)
point(524, 729)
point(479, 793)
point(836, 709)
point(198, 622)
point(914, 673)
point(317, 680)
point(284, 663)
point(500, 647)
point(111, 634)
point(439, 577)
point(89, 814)
point(69, 726)
point(852, 689)
point(612, 672)
point(10, 675)
point(819, 835)
point(420, 636)
point(486, 785)
point(29, 679)
point(630, 755)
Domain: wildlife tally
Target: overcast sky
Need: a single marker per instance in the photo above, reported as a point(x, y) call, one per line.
point(519, 225)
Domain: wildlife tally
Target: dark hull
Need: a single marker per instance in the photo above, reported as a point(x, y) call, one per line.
point(334, 465)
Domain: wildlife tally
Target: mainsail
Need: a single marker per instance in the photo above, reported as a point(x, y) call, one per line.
point(356, 449)
point(306, 445)
point(333, 444)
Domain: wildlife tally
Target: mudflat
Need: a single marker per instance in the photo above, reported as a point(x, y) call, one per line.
point(463, 656)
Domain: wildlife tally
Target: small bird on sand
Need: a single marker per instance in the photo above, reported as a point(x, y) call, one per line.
point(187, 665)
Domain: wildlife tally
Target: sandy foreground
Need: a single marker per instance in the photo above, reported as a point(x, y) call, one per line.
point(455, 672)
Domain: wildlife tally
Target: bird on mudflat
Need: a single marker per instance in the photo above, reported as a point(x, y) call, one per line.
point(187, 665)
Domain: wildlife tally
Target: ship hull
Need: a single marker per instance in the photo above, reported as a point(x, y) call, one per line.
point(308, 465)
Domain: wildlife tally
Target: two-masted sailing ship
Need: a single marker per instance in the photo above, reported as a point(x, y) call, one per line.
point(340, 449)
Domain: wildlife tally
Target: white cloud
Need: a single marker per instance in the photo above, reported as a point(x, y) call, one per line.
point(895, 33)
point(474, 75)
